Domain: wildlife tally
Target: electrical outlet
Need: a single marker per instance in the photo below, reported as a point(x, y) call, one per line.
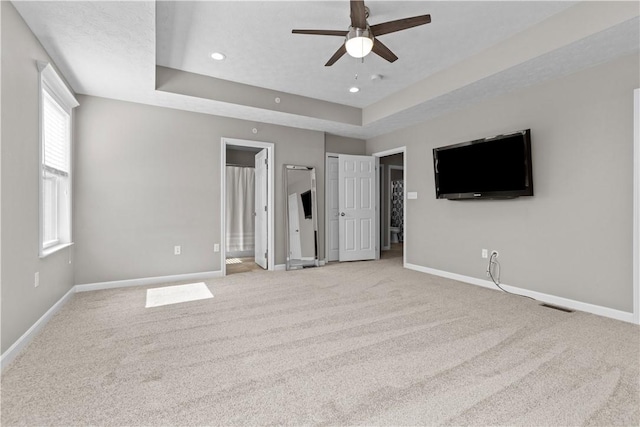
point(496, 253)
point(177, 250)
point(36, 280)
point(216, 247)
point(485, 253)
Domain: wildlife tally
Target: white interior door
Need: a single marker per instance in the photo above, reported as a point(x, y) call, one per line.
point(295, 245)
point(261, 214)
point(356, 203)
point(333, 234)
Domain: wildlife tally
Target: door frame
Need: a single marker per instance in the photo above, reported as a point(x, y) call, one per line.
point(270, 147)
point(636, 206)
point(327, 205)
point(390, 152)
point(390, 189)
point(381, 174)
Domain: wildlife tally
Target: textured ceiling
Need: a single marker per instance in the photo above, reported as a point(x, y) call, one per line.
point(111, 49)
point(261, 51)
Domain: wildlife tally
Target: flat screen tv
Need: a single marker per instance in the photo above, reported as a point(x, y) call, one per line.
point(489, 168)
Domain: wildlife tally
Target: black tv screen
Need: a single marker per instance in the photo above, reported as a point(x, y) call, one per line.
point(494, 168)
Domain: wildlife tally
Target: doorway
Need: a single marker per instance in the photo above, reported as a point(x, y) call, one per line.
point(392, 196)
point(390, 188)
point(247, 206)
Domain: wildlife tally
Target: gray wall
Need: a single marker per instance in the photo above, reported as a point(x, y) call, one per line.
point(22, 303)
point(573, 239)
point(148, 178)
point(343, 145)
point(198, 85)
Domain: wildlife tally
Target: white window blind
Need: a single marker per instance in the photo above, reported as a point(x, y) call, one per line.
point(56, 136)
point(56, 105)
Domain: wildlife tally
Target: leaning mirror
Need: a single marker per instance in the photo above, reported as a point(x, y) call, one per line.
point(301, 217)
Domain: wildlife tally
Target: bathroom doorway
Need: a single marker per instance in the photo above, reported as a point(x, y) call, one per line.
point(240, 195)
point(247, 206)
point(392, 200)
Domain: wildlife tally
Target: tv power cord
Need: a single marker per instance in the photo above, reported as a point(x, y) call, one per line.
point(494, 265)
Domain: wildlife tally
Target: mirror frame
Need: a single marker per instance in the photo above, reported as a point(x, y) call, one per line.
point(314, 214)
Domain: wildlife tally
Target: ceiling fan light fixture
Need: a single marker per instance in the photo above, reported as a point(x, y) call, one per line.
point(359, 42)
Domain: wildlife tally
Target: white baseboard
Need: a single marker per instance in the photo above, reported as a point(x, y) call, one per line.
point(26, 338)
point(147, 281)
point(550, 299)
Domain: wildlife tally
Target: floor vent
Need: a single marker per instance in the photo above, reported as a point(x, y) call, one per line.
point(555, 307)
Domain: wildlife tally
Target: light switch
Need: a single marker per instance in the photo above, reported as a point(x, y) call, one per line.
point(412, 195)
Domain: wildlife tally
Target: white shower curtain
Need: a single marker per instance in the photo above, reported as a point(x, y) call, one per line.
point(240, 238)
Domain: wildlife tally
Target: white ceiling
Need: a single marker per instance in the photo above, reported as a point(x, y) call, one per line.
point(261, 51)
point(111, 49)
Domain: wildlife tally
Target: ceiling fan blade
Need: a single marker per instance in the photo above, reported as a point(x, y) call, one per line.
point(341, 51)
point(321, 32)
point(358, 14)
point(383, 51)
point(399, 25)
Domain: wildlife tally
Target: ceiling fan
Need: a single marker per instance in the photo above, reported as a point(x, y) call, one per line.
point(360, 38)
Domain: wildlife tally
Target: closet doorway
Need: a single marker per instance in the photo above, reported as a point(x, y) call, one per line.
point(247, 206)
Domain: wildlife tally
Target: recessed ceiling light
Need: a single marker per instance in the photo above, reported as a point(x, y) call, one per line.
point(354, 89)
point(218, 56)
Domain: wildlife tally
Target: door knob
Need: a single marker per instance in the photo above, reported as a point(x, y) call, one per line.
point(342, 214)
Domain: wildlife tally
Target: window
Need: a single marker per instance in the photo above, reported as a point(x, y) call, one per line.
point(56, 104)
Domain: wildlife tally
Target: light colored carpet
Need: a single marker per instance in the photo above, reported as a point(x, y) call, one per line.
point(351, 343)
